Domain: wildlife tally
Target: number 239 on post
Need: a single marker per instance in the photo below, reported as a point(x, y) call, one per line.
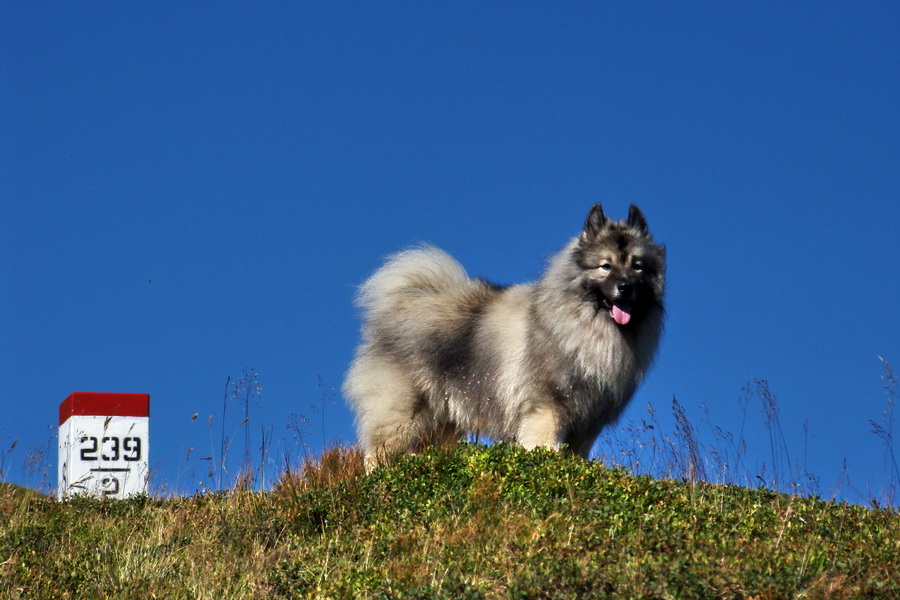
point(104, 445)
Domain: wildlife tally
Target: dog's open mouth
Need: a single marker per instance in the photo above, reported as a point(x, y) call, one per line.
point(620, 315)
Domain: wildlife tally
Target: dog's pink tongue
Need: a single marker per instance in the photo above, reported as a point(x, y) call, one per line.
point(620, 316)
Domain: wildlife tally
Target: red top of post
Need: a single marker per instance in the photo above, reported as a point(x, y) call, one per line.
point(104, 405)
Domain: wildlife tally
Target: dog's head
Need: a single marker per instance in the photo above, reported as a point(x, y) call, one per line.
point(622, 268)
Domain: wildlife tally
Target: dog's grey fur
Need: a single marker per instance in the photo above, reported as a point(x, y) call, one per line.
point(542, 364)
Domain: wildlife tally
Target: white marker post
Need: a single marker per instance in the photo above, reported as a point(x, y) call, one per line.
point(104, 445)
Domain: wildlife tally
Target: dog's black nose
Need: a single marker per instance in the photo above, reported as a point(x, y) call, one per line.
point(624, 288)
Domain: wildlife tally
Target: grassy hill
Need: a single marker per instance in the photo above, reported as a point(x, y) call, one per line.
point(12, 492)
point(464, 522)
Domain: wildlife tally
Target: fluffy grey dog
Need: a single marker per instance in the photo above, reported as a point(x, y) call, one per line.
point(540, 364)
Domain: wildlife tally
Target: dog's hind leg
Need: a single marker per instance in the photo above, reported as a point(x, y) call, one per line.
point(385, 401)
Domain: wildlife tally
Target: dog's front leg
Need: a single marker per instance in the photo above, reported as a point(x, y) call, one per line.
point(540, 427)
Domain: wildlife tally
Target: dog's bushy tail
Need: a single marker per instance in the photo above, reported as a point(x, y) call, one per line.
point(420, 271)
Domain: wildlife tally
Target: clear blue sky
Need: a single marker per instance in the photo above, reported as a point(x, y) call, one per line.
point(189, 189)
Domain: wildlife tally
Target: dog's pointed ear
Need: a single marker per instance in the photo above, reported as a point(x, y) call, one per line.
point(594, 223)
point(636, 220)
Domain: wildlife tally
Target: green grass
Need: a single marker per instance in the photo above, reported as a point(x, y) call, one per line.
point(461, 522)
point(13, 492)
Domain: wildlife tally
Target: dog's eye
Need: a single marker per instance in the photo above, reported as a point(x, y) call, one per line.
point(605, 266)
point(637, 265)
